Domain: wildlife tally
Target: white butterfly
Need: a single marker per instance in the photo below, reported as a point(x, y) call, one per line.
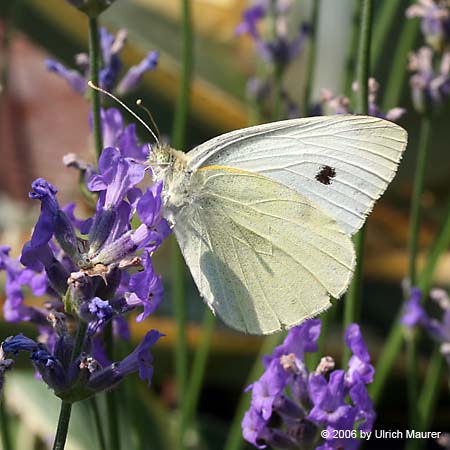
point(264, 215)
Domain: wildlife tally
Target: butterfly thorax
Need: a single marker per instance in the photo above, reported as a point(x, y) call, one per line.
point(170, 167)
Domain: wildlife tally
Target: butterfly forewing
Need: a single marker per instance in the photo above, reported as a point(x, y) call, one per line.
point(342, 164)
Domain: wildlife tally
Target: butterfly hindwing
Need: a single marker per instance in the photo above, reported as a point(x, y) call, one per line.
point(263, 256)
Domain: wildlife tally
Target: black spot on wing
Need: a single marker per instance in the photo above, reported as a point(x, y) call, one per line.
point(325, 175)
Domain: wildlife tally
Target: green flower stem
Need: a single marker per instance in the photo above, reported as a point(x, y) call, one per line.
point(354, 40)
point(353, 297)
point(413, 244)
point(277, 90)
point(386, 360)
point(111, 398)
point(386, 16)
point(431, 388)
point(438, 248)
point(278, 70)
point(412, 377)
point(363, 63)
point(182, 105)
point(178, 268)
point(4, 426)
point(98, 424)
point(395, 338)
point(419, 177)
point(234, 440)
point(79, 340)
point(63, 426)
point(198, 367)
point(311, 58)
point(397, 72)
point(428, 398)
point(94, 57)
point(66, 408)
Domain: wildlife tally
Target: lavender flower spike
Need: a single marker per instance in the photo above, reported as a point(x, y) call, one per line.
point(139, 360)
point(290, 406)
point(133, 77)
point(76, 81)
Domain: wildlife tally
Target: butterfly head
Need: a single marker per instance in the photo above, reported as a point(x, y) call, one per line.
point(169, 166)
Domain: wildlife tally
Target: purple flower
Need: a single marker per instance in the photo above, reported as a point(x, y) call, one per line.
point(17, 277)
point(339, 104)
point(253, 425)
point(268, 388)
point(111, 46)
point(146, 289)
point(362, 401)
point(435, 21)
point(117, 176)
point(19, 343)
point(414, 314)
point(328, 398)
point(279, 51)
point(301, 339)
point(359, 367)
point(133, 77)
point(429, 87)
point(140, 360)
point(290, 405)
point(45, 192)
point(76, 81)
point(250, 19)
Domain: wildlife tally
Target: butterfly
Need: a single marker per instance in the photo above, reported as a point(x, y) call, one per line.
point(264, 215)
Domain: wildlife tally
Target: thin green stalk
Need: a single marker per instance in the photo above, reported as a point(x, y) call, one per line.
point(438, 248)
point(394, 341)
point(419, 177)
point(94, 56)
point(79, 340)
point(98, 424)
point(428, 397)
point(431, 388)
point(413, 244)
point(354, 40)
point(386, 360)
point(4, 426)
point(182, 106)
point(397, 72)
point(352, 301)
point(63, 426)
point(111, 399)
point(363, 63)
point(276, 94)
point(311, 58)
point(66, 408)
point(198, 367)
point(278, 70)
point(178, 139)
point(353, 297)
point(234, 439)
point(181, 349)
point(412, 377)
point(388, 12)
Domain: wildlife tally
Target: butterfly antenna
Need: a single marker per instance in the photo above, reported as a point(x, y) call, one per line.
point(122, 104)
point(149, 114)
